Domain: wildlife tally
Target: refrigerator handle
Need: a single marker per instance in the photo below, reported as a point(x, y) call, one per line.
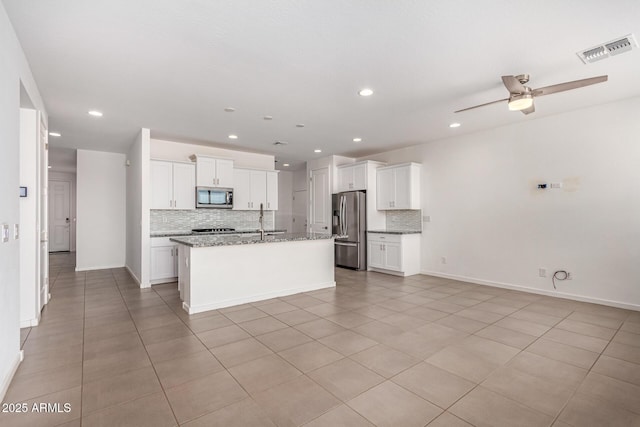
point(344, 219)
point(341, 230)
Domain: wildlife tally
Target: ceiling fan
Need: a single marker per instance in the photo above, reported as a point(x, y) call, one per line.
point(521, 96)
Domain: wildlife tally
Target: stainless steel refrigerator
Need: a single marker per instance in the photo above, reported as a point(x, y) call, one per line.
point(350, 227)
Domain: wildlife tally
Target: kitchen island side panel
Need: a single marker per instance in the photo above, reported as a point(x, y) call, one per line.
point(224, 276)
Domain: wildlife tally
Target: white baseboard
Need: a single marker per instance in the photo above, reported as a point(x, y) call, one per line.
point(98, 267)
point(29, 323)
point(253, 298)
point(6, 381)
point(132, 274)
point(553, 293)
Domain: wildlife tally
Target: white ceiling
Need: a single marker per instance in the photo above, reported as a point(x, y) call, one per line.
point(173, 66)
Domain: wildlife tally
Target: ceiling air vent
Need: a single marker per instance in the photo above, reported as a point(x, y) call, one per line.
point(605, 50)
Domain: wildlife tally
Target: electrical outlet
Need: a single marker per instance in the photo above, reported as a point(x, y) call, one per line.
point(164, 219)
point(443, 260)
point(542, 272)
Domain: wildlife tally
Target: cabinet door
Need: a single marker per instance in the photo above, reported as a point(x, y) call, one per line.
point(163, 264)
point(258, 189)
point(359, 177)
point(241, 189)
point(161, 185)
point(184, 186)
point(402, 188)
point(392, 256)
point(272, 191)
point(375, 253)
point(345, 179)
point(385, 191)
point(206, 172)
point(224, 173)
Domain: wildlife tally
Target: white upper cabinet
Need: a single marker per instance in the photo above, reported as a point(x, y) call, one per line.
point(353, 177)
point(398, 187)
point(272, 191)
point(184, 186)
point(252, 187)
point(212, 172)
point(172, 185)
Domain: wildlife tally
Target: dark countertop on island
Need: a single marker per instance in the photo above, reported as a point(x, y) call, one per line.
point(200, 241)
point(395, 231)
point(177, 233)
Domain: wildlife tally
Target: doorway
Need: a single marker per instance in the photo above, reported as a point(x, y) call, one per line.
point(59, 216)
point(299, 211)
point(320, 201)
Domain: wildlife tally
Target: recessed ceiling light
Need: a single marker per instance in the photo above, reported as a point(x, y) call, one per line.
point(454, 125)
point(56, 134)
point(268, 117)
point(229, 109)
point(300, 125)
point(365, 92)
point(317, 150)
point(233, 136)
point(357, 139)
point(95, 113)
point(285, 164)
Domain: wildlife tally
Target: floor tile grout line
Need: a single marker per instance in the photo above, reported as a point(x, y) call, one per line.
point(146, 352)
point(588, 372)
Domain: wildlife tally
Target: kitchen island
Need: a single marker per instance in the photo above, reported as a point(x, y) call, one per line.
point(217, 271)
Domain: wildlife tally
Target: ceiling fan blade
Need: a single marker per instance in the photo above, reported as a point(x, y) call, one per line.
point(529, 110)
point(482, 105)
point(513, 85)
point(561, 87)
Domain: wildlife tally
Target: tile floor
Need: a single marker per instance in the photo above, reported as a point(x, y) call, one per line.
point(376, 350)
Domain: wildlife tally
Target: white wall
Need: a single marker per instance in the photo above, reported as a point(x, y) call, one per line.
point(101, 225)
point(284, 214)
point(493, 225)
point(71, 179)
point(137, 217)
point(13, 71)
point(179, 151)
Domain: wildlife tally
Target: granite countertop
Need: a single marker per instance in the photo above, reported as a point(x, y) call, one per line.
point(395, 231)
point(201, 241)
point(177, 233)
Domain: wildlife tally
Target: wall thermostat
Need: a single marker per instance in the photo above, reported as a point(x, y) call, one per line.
point(23, 191)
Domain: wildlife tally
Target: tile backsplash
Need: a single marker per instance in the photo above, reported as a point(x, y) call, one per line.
point(179, 220)
point(403, 220)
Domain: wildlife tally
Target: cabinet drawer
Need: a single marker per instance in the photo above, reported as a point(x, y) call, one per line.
point(383, 237)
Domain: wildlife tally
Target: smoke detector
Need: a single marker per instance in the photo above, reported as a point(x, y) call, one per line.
point(605, 50)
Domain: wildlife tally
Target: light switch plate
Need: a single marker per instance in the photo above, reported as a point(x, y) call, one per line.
point(5, 233)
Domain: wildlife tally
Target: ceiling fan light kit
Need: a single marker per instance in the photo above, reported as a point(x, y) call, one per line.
point(520, 102)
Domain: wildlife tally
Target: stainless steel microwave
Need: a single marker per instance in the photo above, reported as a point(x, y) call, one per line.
point(217, 198)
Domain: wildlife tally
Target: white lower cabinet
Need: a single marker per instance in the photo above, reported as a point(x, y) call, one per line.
point(164, 260)
point(397, 254)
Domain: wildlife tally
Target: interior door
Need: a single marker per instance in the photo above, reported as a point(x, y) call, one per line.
point(300, 211)
point(43, 215)
point(59, 216)
point(320, 201)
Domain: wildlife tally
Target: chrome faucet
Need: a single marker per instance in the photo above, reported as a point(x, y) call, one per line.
point(261, 222)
